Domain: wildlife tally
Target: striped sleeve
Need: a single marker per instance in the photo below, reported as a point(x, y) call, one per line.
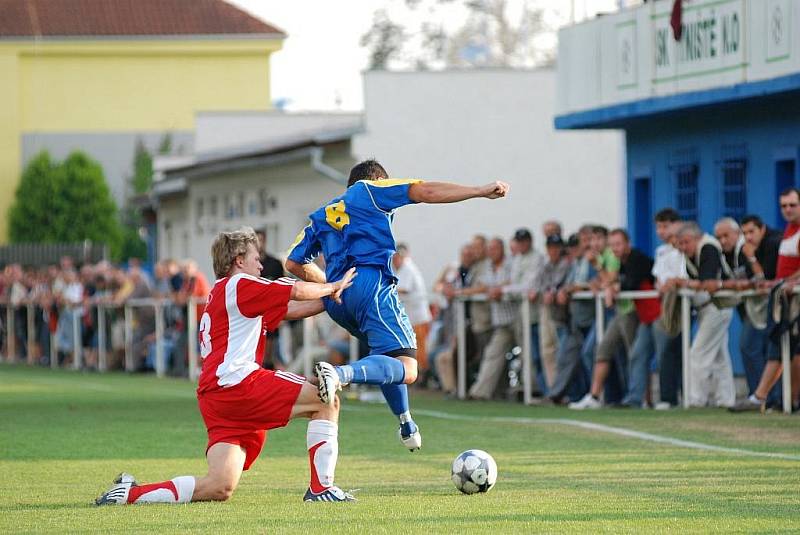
point(262, 297)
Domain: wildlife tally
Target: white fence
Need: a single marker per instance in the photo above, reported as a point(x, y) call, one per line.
point(304, 359)
point(527, 361)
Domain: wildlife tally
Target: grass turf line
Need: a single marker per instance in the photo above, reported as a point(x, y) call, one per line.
point(65, 435)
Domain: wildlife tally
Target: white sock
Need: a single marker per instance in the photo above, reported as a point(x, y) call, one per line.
point(323, 451)
point(164, 492)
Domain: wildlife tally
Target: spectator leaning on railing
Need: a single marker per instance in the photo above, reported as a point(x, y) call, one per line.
point(711, 377)
point(572, 376)
point(669, 263)
point(633, 274)
point(787, 269)
point(503, 315)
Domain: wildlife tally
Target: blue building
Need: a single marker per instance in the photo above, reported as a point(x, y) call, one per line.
point(712, 121)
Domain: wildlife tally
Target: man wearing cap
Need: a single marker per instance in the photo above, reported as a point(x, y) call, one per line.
point(552, 315)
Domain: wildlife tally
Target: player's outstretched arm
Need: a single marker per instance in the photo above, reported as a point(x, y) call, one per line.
point(309, 272)
point(298, 310)
point(307, 291)
point(447, 192)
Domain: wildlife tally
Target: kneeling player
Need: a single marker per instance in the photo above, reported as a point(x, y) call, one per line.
point(240, 401)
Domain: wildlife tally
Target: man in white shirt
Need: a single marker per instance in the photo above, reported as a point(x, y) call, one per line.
point(669, 263)
point(414, 295)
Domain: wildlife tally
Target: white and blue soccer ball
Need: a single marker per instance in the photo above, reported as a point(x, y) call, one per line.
point(474, 471)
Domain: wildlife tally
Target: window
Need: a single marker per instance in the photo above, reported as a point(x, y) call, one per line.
point(685, 172)
point(212, 207)
point(733, 181)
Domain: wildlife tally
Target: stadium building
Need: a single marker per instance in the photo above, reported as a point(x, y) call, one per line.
point(711, 121)
point(97, 75)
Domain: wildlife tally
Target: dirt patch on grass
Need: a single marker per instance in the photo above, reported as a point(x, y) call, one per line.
point(788, 436)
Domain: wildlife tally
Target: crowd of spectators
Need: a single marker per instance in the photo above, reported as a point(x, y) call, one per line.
point(641, 337)
point(59, 296)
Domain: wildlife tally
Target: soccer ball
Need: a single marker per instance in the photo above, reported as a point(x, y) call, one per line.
point(474, 471)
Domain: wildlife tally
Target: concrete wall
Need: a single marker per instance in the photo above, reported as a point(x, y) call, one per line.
point(105, 87)
point(224, 130)
point(114, 150)
point(481, 125)
point(297, 190)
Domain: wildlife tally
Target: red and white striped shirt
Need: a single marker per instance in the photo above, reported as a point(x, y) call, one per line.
point(239, 312)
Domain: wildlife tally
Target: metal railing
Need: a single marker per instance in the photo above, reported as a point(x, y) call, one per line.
point(598, 297)
point(305, 356)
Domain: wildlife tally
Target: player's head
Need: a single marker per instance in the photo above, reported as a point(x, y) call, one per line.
point(236, 252)
point(367, 170)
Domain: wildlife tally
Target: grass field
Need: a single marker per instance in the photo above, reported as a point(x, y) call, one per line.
point(64, 436)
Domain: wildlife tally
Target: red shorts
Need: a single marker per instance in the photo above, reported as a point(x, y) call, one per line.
point(242, 414)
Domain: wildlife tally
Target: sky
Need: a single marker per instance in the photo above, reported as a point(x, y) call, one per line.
point(320, 65)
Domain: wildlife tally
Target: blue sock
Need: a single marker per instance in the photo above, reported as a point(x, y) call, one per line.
point(373, 370)
point(396, 397)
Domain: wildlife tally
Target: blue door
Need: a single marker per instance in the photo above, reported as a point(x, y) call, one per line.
point(643, 229)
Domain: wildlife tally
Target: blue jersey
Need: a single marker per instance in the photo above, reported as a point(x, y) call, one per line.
point(354, 229)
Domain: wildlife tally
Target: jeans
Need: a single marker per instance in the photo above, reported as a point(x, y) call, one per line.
point(669, 355)
point(754, 345)
point(536, 357)
point(644, 347)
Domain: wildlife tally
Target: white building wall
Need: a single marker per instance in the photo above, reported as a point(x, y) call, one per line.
point(295, 187)
point(474, 126)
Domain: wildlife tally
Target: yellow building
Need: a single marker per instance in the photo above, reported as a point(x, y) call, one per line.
point(97, 75)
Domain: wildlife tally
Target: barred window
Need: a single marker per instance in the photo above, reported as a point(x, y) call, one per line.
point(685, 172)
point(733, 181)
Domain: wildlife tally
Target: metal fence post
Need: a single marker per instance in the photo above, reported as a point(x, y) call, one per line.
point(191, 338)
point(599, 318)
point(160, 363)
point(686, 339)
point(53, 348)
point(786, 380)
point(102, 363)
point(11, 335)
point(461, 347)
point(308, 358)
point(525, 315)
point(31, 328)
point(77, 342)
point(129, 365)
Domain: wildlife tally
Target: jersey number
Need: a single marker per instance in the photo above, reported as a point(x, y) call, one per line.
point(336, 216)
point(205, 335)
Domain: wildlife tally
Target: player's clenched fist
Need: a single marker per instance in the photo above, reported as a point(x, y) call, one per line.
point(496, 189)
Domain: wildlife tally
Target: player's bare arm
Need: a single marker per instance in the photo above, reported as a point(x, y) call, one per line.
point(447, 192)
point(298, 310)
point(309, 272)
point(305, 291)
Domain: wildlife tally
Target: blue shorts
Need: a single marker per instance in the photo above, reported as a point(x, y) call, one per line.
point(371, 311)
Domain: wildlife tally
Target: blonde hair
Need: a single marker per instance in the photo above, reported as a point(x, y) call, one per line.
point(227, 246)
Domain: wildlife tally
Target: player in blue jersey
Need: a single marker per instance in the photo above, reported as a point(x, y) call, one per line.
point(355, 230)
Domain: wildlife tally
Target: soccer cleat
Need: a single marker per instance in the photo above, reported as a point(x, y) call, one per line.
point(409, 436)
point(587, 402)
point(750, 403)
point(331, 494)
point(118, 493)
point(329, 382)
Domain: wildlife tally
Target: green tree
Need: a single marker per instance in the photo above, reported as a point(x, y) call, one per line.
point(31, 216)
point(85, 209)
point(142, 169)
point(64, 202)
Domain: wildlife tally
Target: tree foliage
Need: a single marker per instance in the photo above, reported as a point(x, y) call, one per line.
point(459, 33)
point(64, 202)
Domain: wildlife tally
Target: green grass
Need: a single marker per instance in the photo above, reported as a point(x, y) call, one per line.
point(64, 436)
